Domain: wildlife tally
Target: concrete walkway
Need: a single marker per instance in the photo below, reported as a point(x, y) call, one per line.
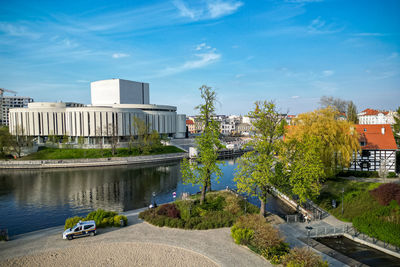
point(217, 244)
point(296, 235)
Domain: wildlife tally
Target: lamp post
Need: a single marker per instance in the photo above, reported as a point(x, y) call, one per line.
point(342, 199)
point(309, 228)
point(154, 199)
point(245, 204)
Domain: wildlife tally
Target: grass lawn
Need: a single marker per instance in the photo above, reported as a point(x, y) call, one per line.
point(357, 200)
point(77, 153)
point(362, 209)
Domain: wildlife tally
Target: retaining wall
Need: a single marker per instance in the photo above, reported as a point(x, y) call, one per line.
point(73, 163)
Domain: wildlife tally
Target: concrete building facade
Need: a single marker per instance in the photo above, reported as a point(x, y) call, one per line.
point(102, 119)
point(8, 102)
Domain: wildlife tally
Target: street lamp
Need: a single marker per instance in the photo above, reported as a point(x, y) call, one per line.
point(245, 204)
point(309, 228)
point(342, 199)
point(154, 199)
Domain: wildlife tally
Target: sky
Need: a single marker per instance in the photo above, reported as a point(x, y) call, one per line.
point(289, 51)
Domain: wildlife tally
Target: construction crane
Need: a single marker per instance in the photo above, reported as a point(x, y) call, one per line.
point(2, 90)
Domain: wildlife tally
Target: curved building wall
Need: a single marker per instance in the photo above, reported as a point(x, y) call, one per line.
point(44, 119)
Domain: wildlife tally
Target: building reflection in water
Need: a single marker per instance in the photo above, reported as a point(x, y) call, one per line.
point(115, 188)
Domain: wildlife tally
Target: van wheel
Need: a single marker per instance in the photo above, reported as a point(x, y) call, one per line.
point(91, 233)
point(70, 237)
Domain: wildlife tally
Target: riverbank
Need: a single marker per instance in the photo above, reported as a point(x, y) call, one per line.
point(90, 162)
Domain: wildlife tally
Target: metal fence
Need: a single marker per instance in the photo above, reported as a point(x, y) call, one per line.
point(325, 231)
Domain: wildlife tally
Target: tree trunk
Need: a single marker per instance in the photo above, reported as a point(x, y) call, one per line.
point(262, 207)
point(203, 193)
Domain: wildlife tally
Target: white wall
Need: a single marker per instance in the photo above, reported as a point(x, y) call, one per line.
point(117, 91)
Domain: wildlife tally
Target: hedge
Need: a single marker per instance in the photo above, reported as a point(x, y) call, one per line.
point(101, 217)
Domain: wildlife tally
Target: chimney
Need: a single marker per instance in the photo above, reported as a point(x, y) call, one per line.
point(383, 130)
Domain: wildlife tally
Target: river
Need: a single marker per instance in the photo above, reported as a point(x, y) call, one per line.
point(31, 200)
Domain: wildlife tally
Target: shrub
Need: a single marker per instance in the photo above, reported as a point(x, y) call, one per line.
point(275, 254)
point(303, 257)
point(185, 208)
point(117, 220)
point(169, 210)
point(101, 217)
point(70, 222)
point(265, 235)
point(392, 175)
point(386, 193)
point(242, 236)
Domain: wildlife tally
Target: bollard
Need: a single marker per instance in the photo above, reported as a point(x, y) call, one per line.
point(122, 223)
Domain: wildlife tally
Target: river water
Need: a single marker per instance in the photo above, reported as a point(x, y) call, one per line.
point(31, 200)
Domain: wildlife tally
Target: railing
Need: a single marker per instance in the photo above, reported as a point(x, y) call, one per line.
point(325, 231)
point(328, 231)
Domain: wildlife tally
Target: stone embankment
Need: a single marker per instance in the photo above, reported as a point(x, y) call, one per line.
point(98, 162)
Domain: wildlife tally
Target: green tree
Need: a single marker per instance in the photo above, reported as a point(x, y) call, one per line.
point(201, 170)
point(351, 113)
point(396, 126)
point(5, 141)
point(338, 140)
point(147, 140)
point(257, 172)
point(303, 167)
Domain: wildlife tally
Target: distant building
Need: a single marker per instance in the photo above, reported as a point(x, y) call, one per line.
point(115, 104)
point(7, 102)
point(377, 147)
point(372, 116)
point(191, 126)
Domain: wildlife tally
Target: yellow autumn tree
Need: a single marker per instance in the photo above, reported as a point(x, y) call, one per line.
point(337, 139)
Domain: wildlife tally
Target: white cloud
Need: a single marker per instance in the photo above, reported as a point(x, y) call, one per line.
point(210, 10)
point(220, 8)
point(295, 97)
point(17, 31)
point(203, 60)
point(120, 55)
point(319, 26)
point(184, 10)
point(369, 34)
point(328, 73)
point(202, 46)
point(237, 76)
point(302, 1)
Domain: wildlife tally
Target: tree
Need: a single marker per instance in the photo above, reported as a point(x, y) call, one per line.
point(113, 133)
point(257, 170)
point(351, 113)
point(201, 170)
point(396, 126)
point(337, 103)
point(302, 166)
point(5, 141)
point(337, 140)
point(146, 140)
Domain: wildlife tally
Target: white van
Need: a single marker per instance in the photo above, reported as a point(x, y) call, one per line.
point(84, 228)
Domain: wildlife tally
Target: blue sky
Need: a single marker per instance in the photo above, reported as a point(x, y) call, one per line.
point(292, 51)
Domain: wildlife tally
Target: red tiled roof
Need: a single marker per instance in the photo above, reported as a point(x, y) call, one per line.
point(372, 135)
point(189, 122)
point(291, 116)
point(370, 112)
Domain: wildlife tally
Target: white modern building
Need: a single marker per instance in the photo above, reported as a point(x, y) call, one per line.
point(115, 104)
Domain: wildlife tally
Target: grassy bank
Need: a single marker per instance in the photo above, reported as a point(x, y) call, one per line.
point(361, 207)
point(76, 153)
